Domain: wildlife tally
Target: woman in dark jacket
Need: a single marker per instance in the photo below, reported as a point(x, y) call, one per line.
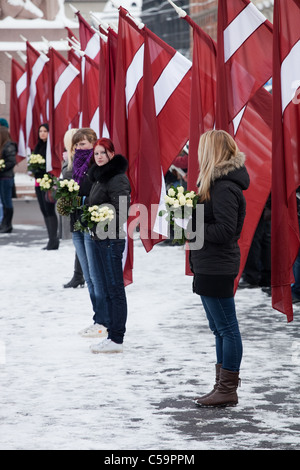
point(47, 207)
point(110, 187)
point(222, 179)
point(83, 141)
point(8, 151)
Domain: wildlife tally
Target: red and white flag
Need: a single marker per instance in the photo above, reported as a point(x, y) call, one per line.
point(89, 39)
point(150, 178)
point(172, 76)
point(254, 120)
point(244, 108)
point(244, 58)
point(286, 151)
point(90, 94)
point(254, 138)
point(37, 93)
point(128, 93)
point(64, 107)
point(203, 95)
point(18, 106)
point(107, 70)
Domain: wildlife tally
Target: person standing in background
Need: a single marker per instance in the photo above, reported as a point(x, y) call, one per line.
point(3, 123)
point(8, 152)
point(47, 207)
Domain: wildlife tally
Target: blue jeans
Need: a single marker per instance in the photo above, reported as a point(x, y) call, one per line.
point(6, 188)
point(296, 270)
point(107, 272)
point(223, 323)
point(81, 242)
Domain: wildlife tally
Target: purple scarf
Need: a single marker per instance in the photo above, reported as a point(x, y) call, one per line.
point(81, 163)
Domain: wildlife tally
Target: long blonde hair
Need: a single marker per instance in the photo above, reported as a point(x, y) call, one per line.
point(70, 148)
point(215, 148)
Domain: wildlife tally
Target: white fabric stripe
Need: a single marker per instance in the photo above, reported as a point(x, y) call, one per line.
point(21, 84)
point(290, 75)
point(93, 46)
point(95, 122)
point(105, 132)
point(64, 81)
point(241, 28)
point(236, 121)
point(21, 144)
point(48, 155)
point(170, 78)
point(134, 74)
point(161, 226)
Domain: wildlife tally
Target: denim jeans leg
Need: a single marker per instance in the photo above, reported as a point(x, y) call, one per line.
point(111, 253)
point(213, 328)
point(78, 241)
point(96, 274)
point(296, 270)
point(223, 322)
point(6, 187)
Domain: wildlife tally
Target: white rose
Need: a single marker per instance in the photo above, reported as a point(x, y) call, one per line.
point(180, 189)
point(182, 200)
point(171, 192)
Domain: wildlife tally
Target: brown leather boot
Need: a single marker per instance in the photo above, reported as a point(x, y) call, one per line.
point(199, 399)
point(225, 394)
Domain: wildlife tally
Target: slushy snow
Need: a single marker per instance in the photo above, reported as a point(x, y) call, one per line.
point(56, 395)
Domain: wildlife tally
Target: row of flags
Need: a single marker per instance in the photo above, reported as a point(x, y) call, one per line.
point(131, 86)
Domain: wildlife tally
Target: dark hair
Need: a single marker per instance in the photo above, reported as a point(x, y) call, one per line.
point(4, 137)
point(84, 133)
point(41, 146)
point(106, 143)
point(46, 125)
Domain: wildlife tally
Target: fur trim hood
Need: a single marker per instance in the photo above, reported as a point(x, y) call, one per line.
point(224, 168)
point(116, 166)
point(233, 170)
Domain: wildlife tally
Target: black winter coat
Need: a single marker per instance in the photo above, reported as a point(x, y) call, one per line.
point(109, 184)
point(9, 153)
point(224, 216)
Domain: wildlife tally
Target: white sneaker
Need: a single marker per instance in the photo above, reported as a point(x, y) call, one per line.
point(106, 346)
point(94, 331)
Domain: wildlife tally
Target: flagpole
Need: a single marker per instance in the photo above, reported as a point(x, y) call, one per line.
point(74, 9)
point(181, 13)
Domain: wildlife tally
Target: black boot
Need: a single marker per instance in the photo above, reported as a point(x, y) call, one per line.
point(52, 227)
point(6, 226)
point(77, 279)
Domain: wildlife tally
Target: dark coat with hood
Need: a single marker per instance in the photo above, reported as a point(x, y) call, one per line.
point(109, 183)
point(224, 215)
point(8, 154)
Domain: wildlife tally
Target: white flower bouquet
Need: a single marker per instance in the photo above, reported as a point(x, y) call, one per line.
point(179, 207)
point(36, 164)
point(66, 193)
point(2, 164)
point(93, 216)
point(47, 182)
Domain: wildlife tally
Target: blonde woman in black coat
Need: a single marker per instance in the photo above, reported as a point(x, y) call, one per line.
point(222, 180)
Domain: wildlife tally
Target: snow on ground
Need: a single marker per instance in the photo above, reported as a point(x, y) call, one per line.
point(56, 395)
